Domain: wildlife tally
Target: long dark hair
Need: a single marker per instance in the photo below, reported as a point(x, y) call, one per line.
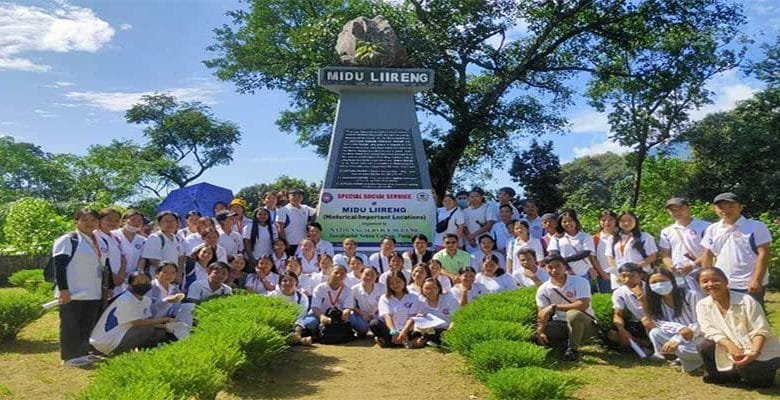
point(654, 300)
point(397, 274)
point(638, 244)
point(255, 233)
point(571, 214)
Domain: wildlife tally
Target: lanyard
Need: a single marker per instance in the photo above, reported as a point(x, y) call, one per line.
point(623, 244)
point(338, 295)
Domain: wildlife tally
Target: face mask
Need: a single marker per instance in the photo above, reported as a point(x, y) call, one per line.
point(662, 288)
point(132, 228)
point(141, 288)
point(463, 203)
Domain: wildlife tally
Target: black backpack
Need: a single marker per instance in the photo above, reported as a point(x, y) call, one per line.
point(338, 331)
point(50, 271)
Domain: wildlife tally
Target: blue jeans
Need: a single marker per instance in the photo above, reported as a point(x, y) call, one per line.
point(311, 323)
point(359, 325)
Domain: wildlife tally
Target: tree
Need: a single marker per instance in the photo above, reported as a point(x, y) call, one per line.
point(254, 194)
point(185, 134)
point(32, 224)
point(598, 182)
point(538, 171)
point(129, 167)
point(500, 65)
point(664, 76)
point(27, 170)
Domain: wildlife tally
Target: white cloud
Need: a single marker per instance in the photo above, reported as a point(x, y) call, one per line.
point(125, 27)
point(589, 121)
point(121, 101)
point(60, 28)
point(600, 148)
point(45, 114)
point(727, 92)
point(59, 84)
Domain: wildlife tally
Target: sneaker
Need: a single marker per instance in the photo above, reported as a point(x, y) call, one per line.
point(675, 363)
point(570, 355)
point(78, 362)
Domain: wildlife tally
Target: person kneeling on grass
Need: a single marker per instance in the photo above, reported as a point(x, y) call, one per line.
point(396, 309)
point(212, 286)
point(288, 289)
point(738, 341)
point(127, 323)
point(564, 312)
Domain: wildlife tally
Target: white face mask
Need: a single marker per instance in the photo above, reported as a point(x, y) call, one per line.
point(662, 288)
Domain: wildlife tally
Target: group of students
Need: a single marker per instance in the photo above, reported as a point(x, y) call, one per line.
point(702, 309)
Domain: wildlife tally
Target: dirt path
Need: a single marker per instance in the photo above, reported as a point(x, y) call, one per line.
point(361, 371)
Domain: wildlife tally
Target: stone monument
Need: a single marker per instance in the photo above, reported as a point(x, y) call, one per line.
point(377, 181)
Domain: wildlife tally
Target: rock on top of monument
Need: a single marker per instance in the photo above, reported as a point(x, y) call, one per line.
point(370, 43)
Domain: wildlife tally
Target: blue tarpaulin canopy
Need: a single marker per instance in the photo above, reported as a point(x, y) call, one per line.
point(200, 196)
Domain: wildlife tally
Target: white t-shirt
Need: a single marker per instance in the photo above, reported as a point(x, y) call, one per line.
point(191, 242)
point(515, 245)
point(325, 297)
point(233, 242)
point(115, 321)
point(477, 217)
point(496, 284)
point(624, 252)
point(446, 283)
point(109, 245)
point(311, 266)
point(477, 289)
point(130, 249)
point(444, 310)
point(535, 228)
point(478, 256)
point(400, 310)
point(382, 264)
point(159, 307)
point(183, 233)
point(294, 219)
point(298, 298)
point(85, 271)
point(455, 221)
point(568, 246)
point(265, 239)
point(683, 239)
point(200, 290)
point(501, 235)
point(733, 247)
point(163, 248)
point(624, 299)
point(368, 302)
point(575, 288)
point(254, 282)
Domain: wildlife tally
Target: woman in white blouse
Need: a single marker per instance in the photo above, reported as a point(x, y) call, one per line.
point(738, 341)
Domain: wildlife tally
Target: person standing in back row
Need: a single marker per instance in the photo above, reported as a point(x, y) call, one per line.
point(293, 219)
point(680, 243)
point(740, 247)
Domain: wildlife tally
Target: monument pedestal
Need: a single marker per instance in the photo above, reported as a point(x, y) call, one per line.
point(377, 182)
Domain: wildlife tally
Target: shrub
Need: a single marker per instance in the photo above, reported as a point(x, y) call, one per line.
point(32, 281)
point(773, 224)
point(493, 355)
point(511, 306)
point(463, 336)
point(32, 224)
point(530, 383)
point(602, 306)
point(17, 309)
point(272, 311)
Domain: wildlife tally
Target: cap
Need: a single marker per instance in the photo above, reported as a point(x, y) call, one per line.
point(224, 214)
point(238, 202)
point(549, 216)
point(727, 196)
point(676, 201)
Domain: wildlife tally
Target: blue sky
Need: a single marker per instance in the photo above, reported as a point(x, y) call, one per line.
point(68, 70)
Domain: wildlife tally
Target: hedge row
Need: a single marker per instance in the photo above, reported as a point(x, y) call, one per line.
point(493, 333)
point(18, 308)
point(234, 335)
point(32, 281)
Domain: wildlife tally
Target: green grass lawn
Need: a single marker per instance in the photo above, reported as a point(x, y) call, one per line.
point(30, 369)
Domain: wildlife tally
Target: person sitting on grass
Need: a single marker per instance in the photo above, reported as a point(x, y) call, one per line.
point(493, 277)
point(127, 323)
point(167, 298)
point(439, 304)
point(288, 289)
point(565, 315)
point(366, 294)
point(395, 326)
point(671, 311)
point(328, 299)
point(627, 309)
point(263, 280)
point(467, 289)
point(738, 340)
point(212, 286)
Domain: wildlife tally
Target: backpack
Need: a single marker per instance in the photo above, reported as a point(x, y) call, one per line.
point(441, 226)
point(50, 271)
point(338, 331)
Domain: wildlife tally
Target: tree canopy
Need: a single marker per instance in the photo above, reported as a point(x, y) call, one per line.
point(538, 171)
point(501, 66)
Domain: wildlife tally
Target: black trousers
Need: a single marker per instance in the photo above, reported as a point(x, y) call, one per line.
point(144, 337)
point(77, 319)
point(380, 329)
point(760, 374)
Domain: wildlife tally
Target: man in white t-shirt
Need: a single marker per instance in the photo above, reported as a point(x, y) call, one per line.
point(213, 286)
point(231, 240)
point(292, 220)
point(162, 245)
point(740, 247)
point(320, 246)
point(680, 243)
point(531, 210)
point(505, 196)
point(479, 218)
point(127, 322)
point(501, 229)
point(564, 311)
